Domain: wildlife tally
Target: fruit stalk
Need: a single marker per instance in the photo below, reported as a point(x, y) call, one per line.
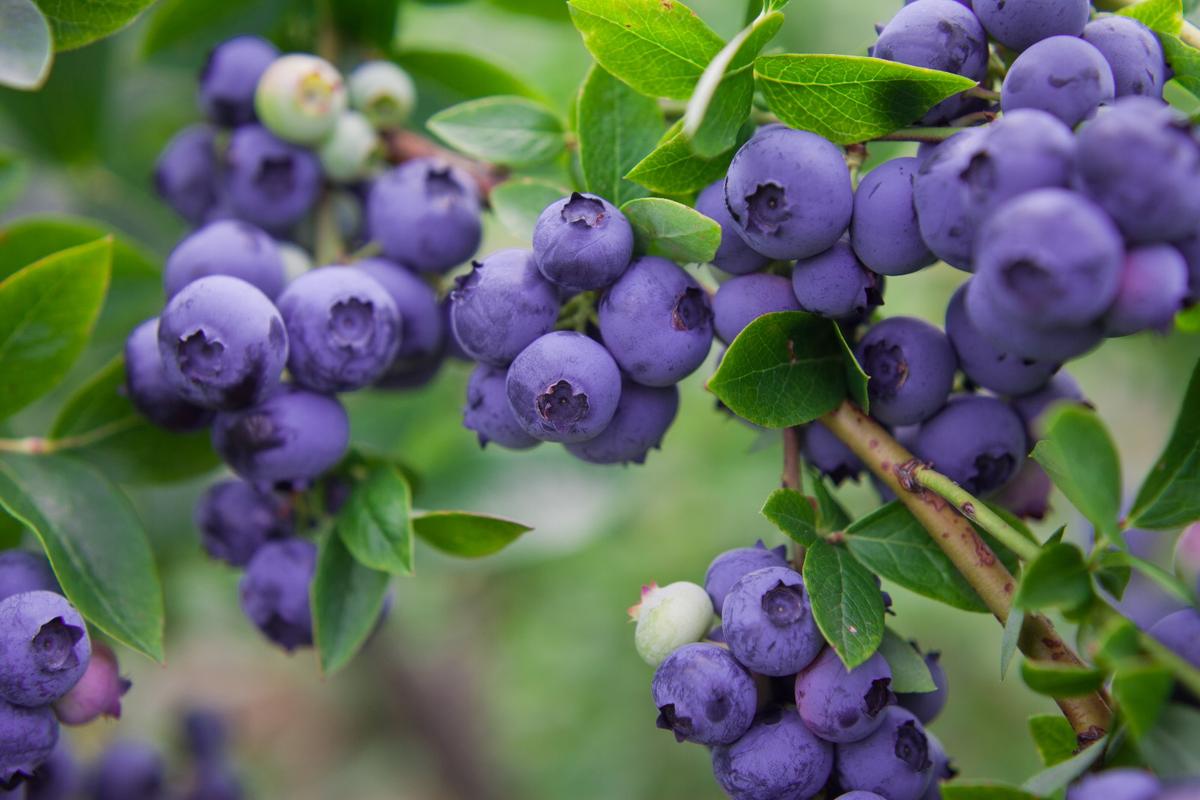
point(1089, 715)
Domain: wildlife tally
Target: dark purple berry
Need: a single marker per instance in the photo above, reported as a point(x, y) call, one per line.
point(777, 758)
point(1063, 75)
point(976, 441)
point(911, 365)
point(502, 306)
point(836, 284)
point(769, 624)
point(274, 591)
point(644, 413)
point(271, 183)
point(582, 242)
point(1017, 24)
point(893, 761)
point(729, 567)
point(987, 365)
point(734, 255)
point(884, 232)
point(425, 214)
point(1132, 52)
point(44, 648)
point(230, 76)
point(186, 175)
point(227, 247)
point(236, 518)
point(741, 300)
point(703, 695)
point(488, 413)
point(564, 387)
point(842, 705)
point(925, 706)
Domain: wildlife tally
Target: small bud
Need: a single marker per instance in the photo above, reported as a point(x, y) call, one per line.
point(1187, 556)
point(98, 692)
point(300, 97)
point(670, 617)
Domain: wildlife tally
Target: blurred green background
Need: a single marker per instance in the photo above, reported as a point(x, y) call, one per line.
point(514, 676)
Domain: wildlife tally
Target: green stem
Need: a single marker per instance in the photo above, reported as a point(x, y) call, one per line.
point(975, 510)
point(328, 247)
point(38, 445)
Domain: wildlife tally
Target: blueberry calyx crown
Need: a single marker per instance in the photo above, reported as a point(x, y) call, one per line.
point(691, 310)
point(54, 645)
point(580, 208)
point(912, 747)
point(668, 720)
point(783, 604)
point(350, 322)
point(562, 406)
point(767, 207)
point(886, 365)
point(878, 697)
point(200, 356)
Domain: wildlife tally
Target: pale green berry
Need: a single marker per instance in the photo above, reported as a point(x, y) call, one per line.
point(296, 260)
point(1187, 556)
point(300, 98)
point(383, 92)
point(351, 150)
point(670, 617)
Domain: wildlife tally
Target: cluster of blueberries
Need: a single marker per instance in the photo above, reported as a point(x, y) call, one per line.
point(50, 672)
point(782, 715)
point(244, 302)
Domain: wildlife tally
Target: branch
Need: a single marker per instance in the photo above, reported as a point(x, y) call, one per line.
point(791, 459)
point(403, 145)
point(931, 135)
point(1089, 715)
point(971, 508)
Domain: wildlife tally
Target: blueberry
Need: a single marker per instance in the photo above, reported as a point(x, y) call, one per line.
point(44, 648)
point(1050, 258)
point(235, 518)
point(292, 436)
point(205, 735)
point(1017, 24)
point(98, 693)
point(941, 35)
point(271, 183)
point(296, 260)
point(564, 388)
point(1027, 495)
point(823, 450)
point(644, 413)
point(977, 441)
point(1154, 285)
point(941, 769)
point(300, 97)
point(987, 365)
point(352, 149)
point(911, 364)
point(129, 770)
point(703, 695)
point(502, 306)
point(22, 571)
point(1014, 335)
point(582, 242)
point(741, 300)
point(1063, 75)
point(425, 214)
point(841, 705)
point(227, 247)
point(1180, 632)
point(657, 322)
point(769, 624)
point(1132, 52)
point(733, 255)
point(223, 343)
point(789, 193)
point(925, 706)
point(57, 778)
point(729, 567)
point(1032, 407)
point(488, 413)
point(884, 232)
point(669, 617)
point(230, 76)
point(1190, 248)
point(274, 591)
point(383, 92)
point(836, 284)
point(777, 758)
point(27, 739)
point(186, 173)
point(1116, 784)
point(1140, 162)
point(893, 761)
point(422, 322)
point(147, 387)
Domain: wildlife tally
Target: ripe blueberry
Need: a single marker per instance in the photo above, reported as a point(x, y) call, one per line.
point(44, 648)
point(502, 306)
point(841, 705)
point(768, 622)
point(425, 214)
point(274, 591)
point(644, 413)
point(911, 364)
point(582, 242)
point(777, 758)
point(703, 695)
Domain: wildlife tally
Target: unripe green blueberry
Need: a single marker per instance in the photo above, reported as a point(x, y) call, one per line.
point(1187, 556)
point(383, 92)
point(351, 150)
point(296, 260)
point(300, 97)
point(668, 618)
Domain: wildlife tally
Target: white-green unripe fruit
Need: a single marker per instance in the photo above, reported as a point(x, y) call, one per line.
point(300, 97)
point(383, 92)
point(351, 150)
point(670, 617)
point(296, 260)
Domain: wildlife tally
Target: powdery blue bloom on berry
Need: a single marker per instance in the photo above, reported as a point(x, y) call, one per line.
point(643, 416)
point(729, 567)
point(293, 436)
point(230, 77)
point(383, 92)
point(987, 365)
point(129, 770)
point(1133, 53)
point(668, 617)
point(27, 739)
point(741, 300)
point(300, 97)
point(44, 648)
point(925, 706)
point(564, 388)
point(893, 761)
point(1116, 784)
point(1063, 75)
point(789, 193)
point(657, 322)
point(425, 214)
point(502, 306)
point(147, 387)
point(829, 454)
point(227, 247)
point(186, 173)
point(941, 769)
point(1017, 24)
point(422, 321)
point(733, 255)
point(1154, 286)
point(977, 441)
point(884, 232)
point(1180, 631)
point(489, 414)
point(98, 693)
point(911, 364)
point(352, 149)
point(1012, 334)
point(223, 343)
point(274, 591)
point(235, 518)
point(703, 695)
point(769, 624)
point(836, 284)
point(270, 182)
point(841, 705)
point(777, 758)
point(582, 242)
point(23, 571)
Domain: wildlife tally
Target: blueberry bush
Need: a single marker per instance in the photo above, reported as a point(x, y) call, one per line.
point(378, 248)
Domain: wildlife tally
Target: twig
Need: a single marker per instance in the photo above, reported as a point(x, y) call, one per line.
point(932, 135)
point(791, 459)
point(975, 510)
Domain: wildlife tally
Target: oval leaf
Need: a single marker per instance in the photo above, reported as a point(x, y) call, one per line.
point(846, 602)
point(1170, 495)
point(376, 523)
point(514, 131)
point(189, 28)
point(672, 168)
point(462, 533)
point(1082, 460)
point(346, 599)
point(792, 513)
point(910, 673)
point(617, 127)
point(26, 48)
point(1050, 780)
point(1057, 578)
point(672, 230)
point(1053, 737)
point(78, 23)
point(1061, 680)
point(518, 202)
point(1163, 16)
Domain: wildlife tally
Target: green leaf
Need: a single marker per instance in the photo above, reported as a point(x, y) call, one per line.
point(376, 522)
point(1141, 693)
point(617, 127)
point(1170, 495)
point(11, 531)
point(1163, 16)
point(1053, 778)
point(26, 48)
point(1184, 61)
point(95, 542)
point(465, 534)
point(910, 673)
point(851, 99)
point(121, 442)
point(76, 23)
point(190, 27)
point(518, 202)
point(370, 22)
point(1169, 748)
point(1061, 680)
point(659, 48)
point(1082, 460)
point(1053, 737)
point(775, 5)
point(983, 790)
point(856, 377)
point(831, 515)
point(672, 230)
point(1057, 578)
point(784, 369)
point(14, 171)
point(347, 599)
point(445, 77)
point(508, 130)
point(721, 100)
point(1112, 571)
point(846, 602)
point(47, 311)
point(1011, 638)
point(672, 168)
point(793, 514)
point(66, 119)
